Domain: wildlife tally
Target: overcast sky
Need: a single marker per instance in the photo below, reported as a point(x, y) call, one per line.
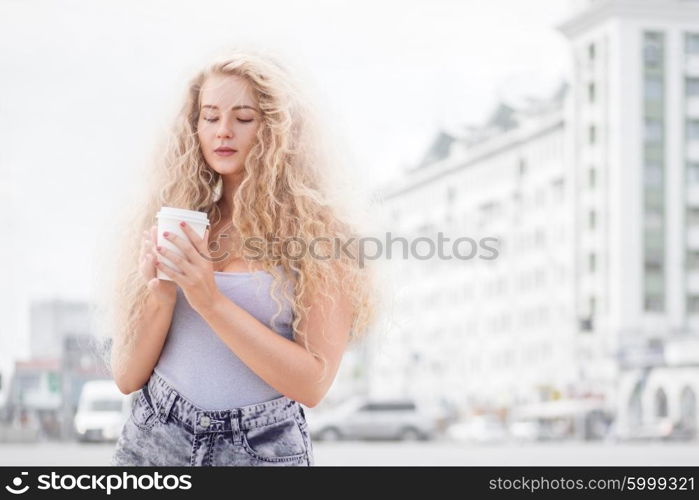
point(87, 85)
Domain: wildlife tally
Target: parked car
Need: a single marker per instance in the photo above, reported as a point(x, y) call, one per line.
point(525, 431)
point(102, 411)
point(478, 429)
point(371, 418)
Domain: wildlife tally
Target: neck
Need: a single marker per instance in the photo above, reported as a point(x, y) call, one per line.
point(230, 186)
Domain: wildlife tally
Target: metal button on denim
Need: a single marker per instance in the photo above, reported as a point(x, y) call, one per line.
point(205, 421)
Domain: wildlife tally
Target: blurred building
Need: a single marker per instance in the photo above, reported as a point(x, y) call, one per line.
point(635, 140)
point(52, 321)
point(499, 331)
point(13, 291)
point(45, 388)
point(593, 195)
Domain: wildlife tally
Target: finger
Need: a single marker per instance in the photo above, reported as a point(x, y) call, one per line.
point(199, 243)
point(148, 248)
point(183, 244)
point(152, 283)
point(154, 234)
point(194, 239)
point(169, 271)
point(180, 262)
point(150, 263)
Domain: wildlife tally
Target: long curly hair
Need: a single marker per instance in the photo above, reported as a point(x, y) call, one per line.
point(289, 191)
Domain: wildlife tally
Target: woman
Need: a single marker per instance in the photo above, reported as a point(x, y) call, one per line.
point(223, 364)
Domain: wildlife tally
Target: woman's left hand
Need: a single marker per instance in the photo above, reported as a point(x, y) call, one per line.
point(196, 276)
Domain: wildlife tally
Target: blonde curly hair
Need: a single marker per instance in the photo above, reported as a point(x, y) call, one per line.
point(285, 192)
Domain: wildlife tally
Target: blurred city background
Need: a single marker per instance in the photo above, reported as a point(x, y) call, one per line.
point(566, 131)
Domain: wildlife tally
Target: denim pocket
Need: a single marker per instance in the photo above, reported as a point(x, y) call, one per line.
point(277, 442)
point(142, 412)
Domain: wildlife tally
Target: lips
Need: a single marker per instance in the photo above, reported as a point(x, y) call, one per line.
point(225, 150)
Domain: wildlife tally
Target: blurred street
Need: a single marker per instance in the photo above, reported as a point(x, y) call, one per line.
point(551, 319)
point(399, 453)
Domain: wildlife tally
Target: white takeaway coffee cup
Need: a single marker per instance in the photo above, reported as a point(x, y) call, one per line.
point(169, 219)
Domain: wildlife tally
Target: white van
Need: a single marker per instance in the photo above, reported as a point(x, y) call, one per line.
point(102, 411)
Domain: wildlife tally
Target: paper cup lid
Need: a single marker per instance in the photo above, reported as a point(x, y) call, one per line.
point(183, 214)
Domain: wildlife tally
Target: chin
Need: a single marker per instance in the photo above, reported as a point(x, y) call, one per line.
point(226, 168)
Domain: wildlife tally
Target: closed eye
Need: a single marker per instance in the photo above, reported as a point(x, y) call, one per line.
point(216, 119)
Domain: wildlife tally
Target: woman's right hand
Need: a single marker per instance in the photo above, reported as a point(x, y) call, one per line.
point(164, 290)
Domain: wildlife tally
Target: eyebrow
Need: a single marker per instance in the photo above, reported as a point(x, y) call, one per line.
point(242, 106)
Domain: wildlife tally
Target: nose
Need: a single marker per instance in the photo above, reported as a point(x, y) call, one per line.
point(224, 129)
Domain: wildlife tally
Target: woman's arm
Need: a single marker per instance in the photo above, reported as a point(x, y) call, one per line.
point(131, 368)
point(284, 364)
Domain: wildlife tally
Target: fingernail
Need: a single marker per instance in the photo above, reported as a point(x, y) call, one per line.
point(182, 224)
point(165, 234)
point(158, 248)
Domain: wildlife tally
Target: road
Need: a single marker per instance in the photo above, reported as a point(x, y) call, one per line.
point(399, 453)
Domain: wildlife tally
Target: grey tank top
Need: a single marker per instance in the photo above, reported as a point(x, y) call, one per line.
point(200, 366)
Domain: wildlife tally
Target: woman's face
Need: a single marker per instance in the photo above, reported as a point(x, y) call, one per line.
point(229, 118)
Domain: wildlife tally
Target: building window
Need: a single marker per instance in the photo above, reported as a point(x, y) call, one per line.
point(693, 130)
point(591, 219)
point(692, 87)
point(691, 44)
point(592, 262)
point(592, 306)
point(591, 92)
point(591, 177)
point(653, 158)
point(654, 303)
point(591, 52)
point(451, 194)
point(653, 49)
point(653, 175)
point(653, 90)
point(653, 267)
point(558, 189)
point(653, 130)
point(652, 223)
point(592, 134)
point(522, 167)
point(693, 172)
point(693, 216)
point(660, 404)
point(692, 260)
point(693, 304)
